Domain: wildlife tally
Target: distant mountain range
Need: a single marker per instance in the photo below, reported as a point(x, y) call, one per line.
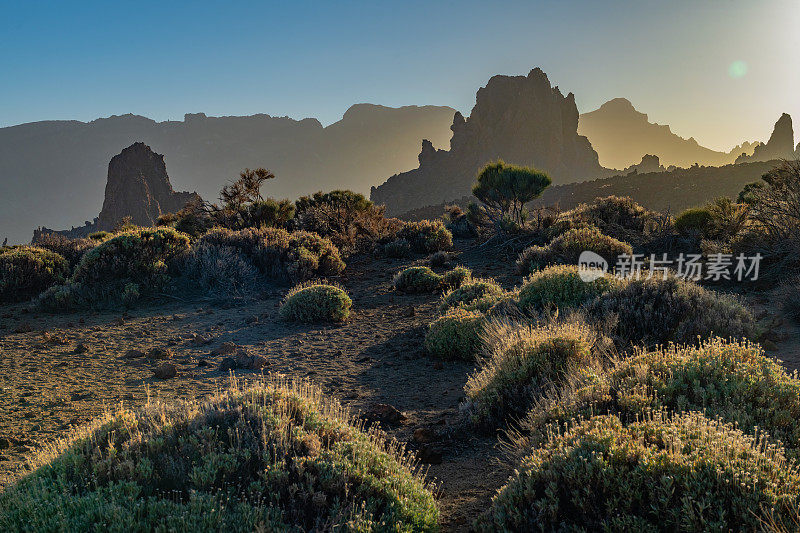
point(621, 135)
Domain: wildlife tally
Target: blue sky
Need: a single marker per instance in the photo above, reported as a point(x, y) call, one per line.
point(672, 59)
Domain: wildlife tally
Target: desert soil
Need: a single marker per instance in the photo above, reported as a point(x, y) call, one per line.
point(57, 371)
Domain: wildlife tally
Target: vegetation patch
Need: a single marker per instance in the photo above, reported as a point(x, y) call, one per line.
point(561, 287)
point(273, 457)
point(427, 236)
point(567, 248)
point(27, 271)
point(455, 335)
point(475, 294)
point(316, 302)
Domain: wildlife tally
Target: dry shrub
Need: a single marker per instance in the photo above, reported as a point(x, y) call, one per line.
point(70, 249)
point(567, 248)
point(427, 236)
point(474, 295)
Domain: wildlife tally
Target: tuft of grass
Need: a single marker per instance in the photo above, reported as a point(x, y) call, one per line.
point(275, 456)
point(562, 287)
point(519, 361)
point(455, 335)
point(316, 302)
point(662, 473)
point(27, 271)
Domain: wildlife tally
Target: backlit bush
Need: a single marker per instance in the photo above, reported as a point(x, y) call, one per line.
point(658, 311)
point(567, 248)
point(561, 287)
point(316, 302)
point(27, 271)
point(454, 278)
point(273, 457)
point(686, 473)
point(427, 236)
point(221, 269)
point(417, 279)
point(618, 217)
point(475, 294)
point(518, 361)
point(70, 249)
point(694, 221)
point(455, 335)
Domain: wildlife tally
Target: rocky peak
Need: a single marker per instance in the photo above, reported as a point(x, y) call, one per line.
point(779, 146)
point(138, 187)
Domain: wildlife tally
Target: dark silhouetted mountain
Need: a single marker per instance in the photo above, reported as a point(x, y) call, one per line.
point(52, 173)
point(622, 135)
point(779, 146)
point(520, 119)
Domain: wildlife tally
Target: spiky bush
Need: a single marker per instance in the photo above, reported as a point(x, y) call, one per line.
point(518, 361)
point(562, 287)
point(475, 294)
point(417, 279)
point(732, 380)
point(316, 302)
point(454, 278)
point(455, 335)
point(398, 249)
point(27, 271)
point(567, 248)
point(286, 256)
point(220, 269)
point(658, 311)
point(427, 236)
point(685, 473)
point(272, 457)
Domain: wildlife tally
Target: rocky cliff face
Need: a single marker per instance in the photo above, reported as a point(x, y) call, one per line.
point(138, 187)
point(520, 119)
point(779, 146)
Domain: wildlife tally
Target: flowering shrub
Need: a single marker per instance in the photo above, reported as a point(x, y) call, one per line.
point(316, 302)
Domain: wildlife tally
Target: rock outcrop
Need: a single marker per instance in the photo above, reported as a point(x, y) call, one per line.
point(779, 146)
point(138, 187)
point(520, 119)
point(649, 163)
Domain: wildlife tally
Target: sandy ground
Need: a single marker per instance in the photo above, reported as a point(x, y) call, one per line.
point(48, 385)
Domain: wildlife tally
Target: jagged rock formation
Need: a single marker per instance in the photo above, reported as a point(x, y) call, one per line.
point(520, 119)
point(138, 187)
point(779, 146)
point(621, 135)
point(68, 159)
point(649, 163)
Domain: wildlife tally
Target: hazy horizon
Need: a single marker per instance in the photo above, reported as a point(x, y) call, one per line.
point(720, 72)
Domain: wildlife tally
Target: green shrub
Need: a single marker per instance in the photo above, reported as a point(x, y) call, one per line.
point(27, 271)
point(567, 248)
point(519, 360)
point(70, 249)
point(618, 217)
point(731, 380)
point(693, 221)
point(316, 302)
point(278, 254)
point(685, 473)
point(561, 286)
point(455, 335)
point(427, 236)
point(273, 457)
point(398, 249)
point(453, 279)
point(417, 279)
point(476, 294)
point(100, 235)
point(659, 311)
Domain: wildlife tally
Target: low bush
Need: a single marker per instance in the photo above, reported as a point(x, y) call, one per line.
point(455, 335)
point(439, 259)
point(427, 236)
point(562, 287)
point(731, 380)
point(281, 255)
point(70, 249)
point(618, 217)
point(567, 248)
point(685, 473)
point(518, 361)
point(221, 269)
point(316, 302)
point(454, 278)
point(659, 311)
point(459, 224)
point(417, 279)
point(694, 221)
point(398, 249)
point(475, 294)
point(272, 457)
point(28, 271)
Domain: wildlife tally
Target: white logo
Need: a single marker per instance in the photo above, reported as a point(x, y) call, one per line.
point(591, 266)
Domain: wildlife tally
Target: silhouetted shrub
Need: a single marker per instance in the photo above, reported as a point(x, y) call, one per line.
point(27, 271)
point(562, 287)
point(684, 473)
point(505, 189)
point(455, 335)
point(100, 235)
point(222, 269)
point(427, 236)
point(273, 457)
point(617, 217)
point(287, 256)
point(475, 294)
point(520, 359)
point(316, 302)
point(567, 248)
point(728, 379)
point(398, 249)
point(439, 259)
point(458, 223)
point(694, 221)
point(658, 311)
point(417, 279)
